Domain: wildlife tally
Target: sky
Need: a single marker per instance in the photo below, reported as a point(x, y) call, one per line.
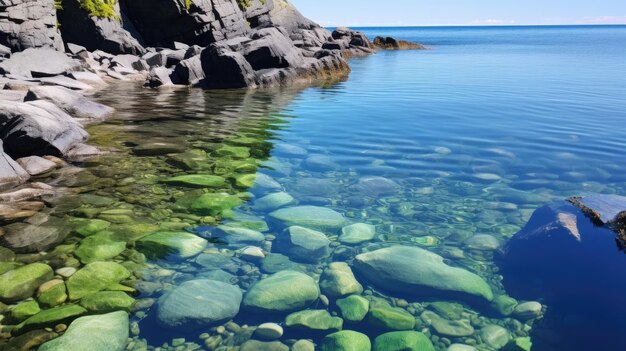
point(462, 12)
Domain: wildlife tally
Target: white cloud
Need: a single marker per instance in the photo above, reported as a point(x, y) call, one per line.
point(602, 20)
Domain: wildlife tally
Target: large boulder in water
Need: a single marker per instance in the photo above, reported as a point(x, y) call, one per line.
point(98, 33)
point(417, 272)
point(576, 267)
point(225, 68)
point(198, 303)
point(271, 48)
point(107, 332)
point(37, 128)
point(29, 24)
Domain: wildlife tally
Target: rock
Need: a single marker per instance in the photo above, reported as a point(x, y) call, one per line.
point(37, 128)
point(302, 244)
point(11, 173)
point(321, 163)
point(528, 310)
point(452, 328)
point(403, 340)
point(518, 344)
point(254, 345)
point(504, 304)
point(357, 233)
point(65, 82)
point(189, 71)
point(313, 320)
point(27, 238)
point(108, 332)
point(338, 280)
point(313, 217)
point(197, 181)
point(376, 186)
point(29, 24)
point(252, 253)
point(273, 201)
point(271, 49)
point(607, 209)
point(224, 68)
point(198, 303)
point(415, 271)
point(171, 245)
point(108, 301)
point(21, 283)
point(24, 310)
point(50, 318)
point(30, 340)
point(388, 43)
point(89, 78)
point(36, 165)
point(158, 77)
point(28, 63)
point(98, 32)
point(346, 340)
point(482, 242)
point(215, 203)
point(303, 345)
point(353, 308)
point(236, 236)
point(461, 347)
point(390, 318)
point(285, 291)
point(52, 293)
point(269, 331)
point(19, 210)
point(92, 226)
point(495, 336)
point(95, 277)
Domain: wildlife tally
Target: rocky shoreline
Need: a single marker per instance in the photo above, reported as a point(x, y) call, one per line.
point(53, 56)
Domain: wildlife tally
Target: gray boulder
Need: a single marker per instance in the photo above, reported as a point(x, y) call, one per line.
point(71, 102)
point(97, 33)
point(158, 77)
point(29, 24)
point(37, 128)
point(28, 63)
point(271, 48)
point(189, 71)
point(224, 68)
point(287, 16)
point(198, 303)
point(418, 272)
point(36, 165)
point(11, 173)
point(285, 291)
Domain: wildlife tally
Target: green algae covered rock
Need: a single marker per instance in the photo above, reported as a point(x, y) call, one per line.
point(197, 181)
point(518, 344)
point(108, 332)
point(24, 310)
point(313, 217)
point(353, 308)
point(237, 152)
point(415, 271)
point(99, 247)
point(403, 341)
point(357, 233)
point(273, 201)
point(50, 318)
point(94, 277)
point(338, 280)
point(108, 301)
point(313, 320)
point(346, 340)
point(390, 318)
point(92, 226)
point(22, 282)
point(214, 203)
point(52, 293)
point(168, 245)
point(285, 291)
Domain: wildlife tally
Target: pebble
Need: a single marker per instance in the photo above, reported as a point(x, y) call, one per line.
point(252, 253)
point(269, 331)
point(66, 272)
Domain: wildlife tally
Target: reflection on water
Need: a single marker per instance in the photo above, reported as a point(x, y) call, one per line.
point(446, 152)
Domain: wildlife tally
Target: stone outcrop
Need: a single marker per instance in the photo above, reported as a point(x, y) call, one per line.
point(29, 24)
point(97, 33)
point(388, 43)
point(11, 173)
point(39, 62)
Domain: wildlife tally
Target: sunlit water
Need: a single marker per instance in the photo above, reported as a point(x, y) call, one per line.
point(467, 138)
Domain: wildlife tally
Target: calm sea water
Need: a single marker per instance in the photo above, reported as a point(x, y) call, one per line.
point(432, 147)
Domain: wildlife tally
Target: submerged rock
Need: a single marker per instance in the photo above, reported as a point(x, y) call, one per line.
point(313, 217)
point(390, 318)
point(273, 201)
point(166, 245)
point(353, 308)
point(346, 340)
point(94, 277)
point(107, 332)
point(357, 233)
point(403, 340)
point(21, 283)
point(338, 280)
point(313, 320)
point(197, 181)
point(50, 317)
point(415, 271)
point(302, 244)
point(285, 291)
point(453, 328)
point(198, 303)
point(237, 236)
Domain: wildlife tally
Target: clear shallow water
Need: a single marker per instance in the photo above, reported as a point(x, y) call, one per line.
point(432, 147)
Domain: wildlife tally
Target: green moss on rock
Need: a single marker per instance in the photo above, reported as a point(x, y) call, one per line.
point(100, 8)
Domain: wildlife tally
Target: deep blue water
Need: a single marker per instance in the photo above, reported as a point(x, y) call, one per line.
point(467, 138)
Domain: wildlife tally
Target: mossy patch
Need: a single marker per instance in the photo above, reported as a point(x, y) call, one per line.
point(100, 8)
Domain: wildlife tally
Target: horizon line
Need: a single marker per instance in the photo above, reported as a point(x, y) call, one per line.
point(480, 25)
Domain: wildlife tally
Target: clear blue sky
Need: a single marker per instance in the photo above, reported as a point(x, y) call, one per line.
point(462, 12)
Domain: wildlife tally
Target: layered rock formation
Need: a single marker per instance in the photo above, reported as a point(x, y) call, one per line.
point(29, 24)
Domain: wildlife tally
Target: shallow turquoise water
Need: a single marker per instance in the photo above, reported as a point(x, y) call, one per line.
point(431, 147)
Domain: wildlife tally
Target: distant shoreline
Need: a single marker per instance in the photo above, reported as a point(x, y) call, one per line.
point(487, 26)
